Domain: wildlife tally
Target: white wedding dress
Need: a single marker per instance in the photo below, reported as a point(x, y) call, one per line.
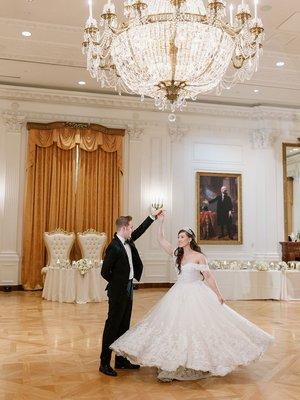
point(189, 335)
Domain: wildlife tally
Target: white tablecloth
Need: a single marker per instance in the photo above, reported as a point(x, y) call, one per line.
point(249, 285)
point(67, 285)
point(290, 285)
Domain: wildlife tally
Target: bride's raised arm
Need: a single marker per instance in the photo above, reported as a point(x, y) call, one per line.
point(161, 237)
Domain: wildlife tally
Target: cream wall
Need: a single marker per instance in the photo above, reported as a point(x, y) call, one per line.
point(160, 159)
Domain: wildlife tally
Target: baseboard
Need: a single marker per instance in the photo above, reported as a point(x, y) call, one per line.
point(13, 288)
point(153, 285)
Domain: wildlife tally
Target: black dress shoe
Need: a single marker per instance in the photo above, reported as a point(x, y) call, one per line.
point(107, 370)
point(125, 364)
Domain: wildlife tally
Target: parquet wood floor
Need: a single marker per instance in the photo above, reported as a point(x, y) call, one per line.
point(50, 351)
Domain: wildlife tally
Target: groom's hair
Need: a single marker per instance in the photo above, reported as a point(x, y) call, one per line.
point(122, 221)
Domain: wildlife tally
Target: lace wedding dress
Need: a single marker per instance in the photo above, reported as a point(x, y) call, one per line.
point(189, 335)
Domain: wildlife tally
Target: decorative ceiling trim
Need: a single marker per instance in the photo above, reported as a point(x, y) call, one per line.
point(20, 93)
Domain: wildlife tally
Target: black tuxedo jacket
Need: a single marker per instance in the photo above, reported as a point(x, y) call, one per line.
point(223, 208)
point(116, 268)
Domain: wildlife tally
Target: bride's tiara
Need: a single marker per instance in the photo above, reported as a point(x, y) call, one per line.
point(188, 230)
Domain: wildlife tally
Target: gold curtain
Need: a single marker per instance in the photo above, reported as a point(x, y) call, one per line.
point(98, 193)
point(52, 199)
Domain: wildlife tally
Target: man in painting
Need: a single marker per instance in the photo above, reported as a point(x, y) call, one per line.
point(224, 211)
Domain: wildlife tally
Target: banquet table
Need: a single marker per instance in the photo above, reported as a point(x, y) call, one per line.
point(290, 288)
point(68, 285)
point(249, 284)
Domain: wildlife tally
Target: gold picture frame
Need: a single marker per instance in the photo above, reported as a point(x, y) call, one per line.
point(287, 190)
point(219, 216)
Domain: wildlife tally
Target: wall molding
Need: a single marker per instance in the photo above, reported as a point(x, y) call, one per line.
point(13, 123)
point(135, 132)
point(262, 139)
point(267, 256)
point(9, 258)
point(9, 269)
point(177, 132)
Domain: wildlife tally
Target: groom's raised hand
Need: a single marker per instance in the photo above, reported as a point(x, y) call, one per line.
point(161, 216)
point(155, 212)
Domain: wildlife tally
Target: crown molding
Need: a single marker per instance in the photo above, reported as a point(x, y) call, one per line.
point(277, 113)
point(133, 131)
point(20, 93)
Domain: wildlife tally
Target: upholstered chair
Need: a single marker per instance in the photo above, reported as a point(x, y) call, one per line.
point(91, 244)
point(59, 244)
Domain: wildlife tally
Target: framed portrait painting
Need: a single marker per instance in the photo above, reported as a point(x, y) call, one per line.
point(219, 208)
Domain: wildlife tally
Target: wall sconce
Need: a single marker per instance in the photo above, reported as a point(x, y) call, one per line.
point(157, 203)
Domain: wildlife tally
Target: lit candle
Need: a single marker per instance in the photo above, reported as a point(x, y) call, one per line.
point(91, 7)
point(231, 14)
point(255, 8)
point(109, 7)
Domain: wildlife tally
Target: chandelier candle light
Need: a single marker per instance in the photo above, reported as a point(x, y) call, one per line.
point(173, 50)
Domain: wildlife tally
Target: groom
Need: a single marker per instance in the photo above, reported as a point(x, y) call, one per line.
point(121, 264)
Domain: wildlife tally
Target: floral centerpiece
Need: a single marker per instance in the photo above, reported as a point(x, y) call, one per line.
point(83, 266)
point(251, 265)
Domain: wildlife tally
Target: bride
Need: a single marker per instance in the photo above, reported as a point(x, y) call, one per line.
point(191, 333)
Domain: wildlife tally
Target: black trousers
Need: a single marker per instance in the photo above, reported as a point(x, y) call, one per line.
point(118, 321)
point(228, 225)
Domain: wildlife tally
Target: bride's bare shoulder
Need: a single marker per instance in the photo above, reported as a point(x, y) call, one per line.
point(201, 259)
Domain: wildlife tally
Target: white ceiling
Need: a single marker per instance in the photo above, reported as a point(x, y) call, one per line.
point(51, 57)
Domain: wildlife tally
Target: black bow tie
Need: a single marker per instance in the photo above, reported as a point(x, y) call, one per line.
point(127, 241)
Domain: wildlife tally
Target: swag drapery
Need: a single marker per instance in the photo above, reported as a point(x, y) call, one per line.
point(73, 181)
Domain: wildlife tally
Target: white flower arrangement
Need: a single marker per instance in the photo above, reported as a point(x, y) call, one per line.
point(252, 265)
point(83, 265)
point(261, 266)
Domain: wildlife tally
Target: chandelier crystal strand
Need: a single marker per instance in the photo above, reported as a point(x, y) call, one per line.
point(173, 50)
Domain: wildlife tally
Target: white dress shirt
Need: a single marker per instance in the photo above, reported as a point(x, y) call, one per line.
point(128, 251)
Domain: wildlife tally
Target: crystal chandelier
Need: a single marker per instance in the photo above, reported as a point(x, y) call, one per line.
point(173, 50)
